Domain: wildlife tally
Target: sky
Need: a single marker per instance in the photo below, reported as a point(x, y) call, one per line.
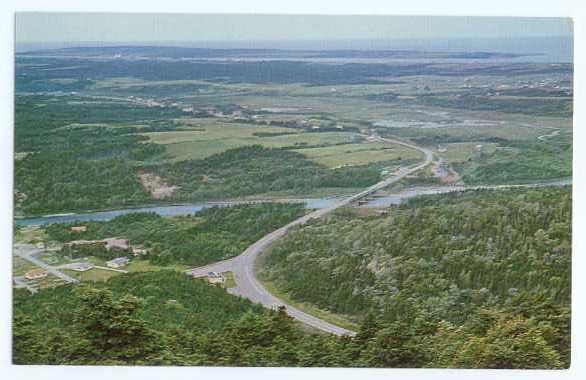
point(116, 27)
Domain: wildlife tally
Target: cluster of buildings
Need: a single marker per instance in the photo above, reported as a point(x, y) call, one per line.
point(109, 243)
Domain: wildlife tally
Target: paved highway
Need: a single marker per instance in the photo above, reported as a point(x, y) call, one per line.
point(242, 266)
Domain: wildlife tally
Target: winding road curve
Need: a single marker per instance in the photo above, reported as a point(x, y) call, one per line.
point(28, 252)
point(242, 266)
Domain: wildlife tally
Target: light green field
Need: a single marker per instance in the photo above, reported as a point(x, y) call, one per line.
point(129, 82)
point(461, 152)
point(138, 265)
point(30, 235)
point(212, 129)
point(210, 137)
point(358, 154)
point(94, 274)
point(230, 282)
point(512, 132)
point(97, 274)
point(145, 266)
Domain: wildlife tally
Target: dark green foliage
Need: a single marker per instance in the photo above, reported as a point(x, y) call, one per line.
point(537, 106)
point(39, 119)
point(425, 300)
point(553, 107)
point(514, 161)
point(26, 339)
point(255, 169)
point(507, 341)
point(532, 161)
point(443, 258)
point(72, 168)
point(474, 280)
point(171, 300)
point(467, 249)
point(80, 167)
point(52, 184)
point(114, 327)
point(31, 84)
point(214, 234)
point(201, 326)
point(93, 249)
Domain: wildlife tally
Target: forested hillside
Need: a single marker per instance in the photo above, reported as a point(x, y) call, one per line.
point(450, 260)
point(167, 318)
point(256, 170)
point(211, 235)
point(75, 155)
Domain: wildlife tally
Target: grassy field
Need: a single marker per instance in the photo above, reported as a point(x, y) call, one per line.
point(138, 265)
point(209, 136)
point(334, 149)
point(29, 235)
point(212, 129)
point(469, 133)
point(358, 154)
point(93, 275)
point(461, 152)
point(230, 282)
point(97, 274)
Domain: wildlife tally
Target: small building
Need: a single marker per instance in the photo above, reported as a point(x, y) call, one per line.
point(81, 267)
point(35, 274)
point(136, 251)
point(78, 229)
point(215, 278)
point(110, 243)
point(40, 245)
point(118, 262)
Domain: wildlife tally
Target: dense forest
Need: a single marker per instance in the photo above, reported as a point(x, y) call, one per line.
point(176, 320)
point(254, 170)
point(533, 161)
point(211, 235)
point(447, 259)
point(477, 279)
point(69, 167)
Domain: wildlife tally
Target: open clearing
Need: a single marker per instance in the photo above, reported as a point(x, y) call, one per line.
point(358, 154)
point(212, 137)
point(94, 274)
point(461, 152)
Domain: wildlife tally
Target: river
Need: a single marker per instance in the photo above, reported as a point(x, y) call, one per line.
point(171, 210)
point(310, 203)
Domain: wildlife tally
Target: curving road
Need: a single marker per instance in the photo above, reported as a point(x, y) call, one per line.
point(28, 252)
point(242, 266)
